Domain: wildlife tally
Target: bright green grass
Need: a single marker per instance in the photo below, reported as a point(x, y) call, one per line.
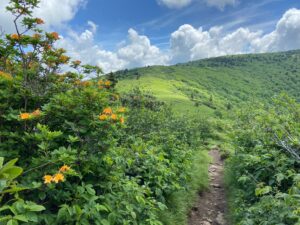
point(209, 86)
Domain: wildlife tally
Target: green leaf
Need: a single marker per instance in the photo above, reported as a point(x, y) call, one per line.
point(22, 218)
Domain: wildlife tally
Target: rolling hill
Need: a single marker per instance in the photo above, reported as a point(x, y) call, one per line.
point(211, 85)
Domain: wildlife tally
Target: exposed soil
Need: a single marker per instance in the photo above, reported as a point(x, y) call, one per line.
point(211, 207)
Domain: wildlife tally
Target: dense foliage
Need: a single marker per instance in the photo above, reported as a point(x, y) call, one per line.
point(266, 164)
point(86, 154)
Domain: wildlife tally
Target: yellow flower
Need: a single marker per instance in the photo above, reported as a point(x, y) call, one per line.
point(100, 82)
point(64, 168)
point(59, 177)
point(114, 117)
point(107, 111)
point(25, 116)
point(122, 120)
point(103, 117)
point(36, 36)
point(36, 113)
point(63, 58)
point(47, 179)
point(122, 110)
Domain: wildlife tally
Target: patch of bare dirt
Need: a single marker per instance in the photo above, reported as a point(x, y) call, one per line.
point(211, 206)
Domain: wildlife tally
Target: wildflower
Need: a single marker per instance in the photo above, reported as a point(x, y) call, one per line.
point(55, 35)
point(39, 21)
point(36, 36)
point(122, 110)
point(59, 177)
point(103, 117)
point(100, 82)
point(64, 168)
point(47, 47)
point(107, 83)
point(47, 179)
point(107, 111)
point(77, 62)
point(114, 117)
point(86, 83)
point(6, 76)
point(36, 113)
point(122, 120)
point(63, 58)
point(25, 116)
point(14, 36)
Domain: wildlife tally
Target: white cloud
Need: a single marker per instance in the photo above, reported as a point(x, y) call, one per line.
point(135, 52)
point(189, 43)
point(54, 12)
point(174, 3)
point(221, 4)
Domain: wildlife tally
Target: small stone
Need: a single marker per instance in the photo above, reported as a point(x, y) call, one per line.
point(216, 185)
point(220, 219)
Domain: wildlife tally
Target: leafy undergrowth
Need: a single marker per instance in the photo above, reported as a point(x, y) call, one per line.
point(75, 151)
point(263, 175)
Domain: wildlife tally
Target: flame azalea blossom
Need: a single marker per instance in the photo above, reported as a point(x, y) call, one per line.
point(64, 58)
point(114, 117)
point(39, 21)
point(25, 116)
point(55, 35)
point(103, 117)
point(15, 36)
point(107, 111)
point(107, 83)
point(47, 179)
point(64, 168)
point(36, 113)
point(59, 177)
point(100, 82)
point(122, 120)
point(36, 36)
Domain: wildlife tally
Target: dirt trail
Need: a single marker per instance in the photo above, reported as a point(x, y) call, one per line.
point(211, 206)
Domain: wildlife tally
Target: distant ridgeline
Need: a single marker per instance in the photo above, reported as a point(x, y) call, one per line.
point(218, 84)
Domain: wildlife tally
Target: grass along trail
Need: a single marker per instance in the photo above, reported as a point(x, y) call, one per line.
point(211, 205)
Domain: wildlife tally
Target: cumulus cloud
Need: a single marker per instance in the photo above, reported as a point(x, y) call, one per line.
point(54, 12)
point(136, 51)
point(189, 43)
point(174, 3)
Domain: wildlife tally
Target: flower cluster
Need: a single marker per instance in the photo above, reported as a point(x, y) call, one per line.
point(104, 84)
point(109, 114)
point(15, 37)
point(27, 116)
point(58, 177)
point(6, 76)
point(39, 21)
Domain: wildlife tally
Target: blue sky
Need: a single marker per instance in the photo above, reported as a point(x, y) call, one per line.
point(119, 34)
point(115, 17)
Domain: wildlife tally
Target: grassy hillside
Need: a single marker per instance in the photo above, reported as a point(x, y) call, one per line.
point(218, 84)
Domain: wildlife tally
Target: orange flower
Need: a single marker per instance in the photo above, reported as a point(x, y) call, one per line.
point(63, 58)
point(39, 21)
point(47, 47)
point(122, 120)
point(114, 117)
point(14, 36)
point(36, 113)
point(64, 168)
point(103, 117)
point(86, 83)
point(77, 62)
point(6, 76)
point(107, 83)
point(107, 111)
point(36, 36)
point(55, 35)
point(25, 116)
point(100, 82)
point(122, 110)
point(59, 177)
point(48, 179)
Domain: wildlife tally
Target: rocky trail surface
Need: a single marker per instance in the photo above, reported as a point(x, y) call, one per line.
point(211, 206)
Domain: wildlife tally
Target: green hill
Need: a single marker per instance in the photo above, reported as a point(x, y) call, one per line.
point(218, 84)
